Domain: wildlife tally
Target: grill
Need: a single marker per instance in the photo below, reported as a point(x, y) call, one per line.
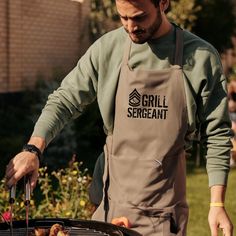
point(72, 232)
point(74, 227)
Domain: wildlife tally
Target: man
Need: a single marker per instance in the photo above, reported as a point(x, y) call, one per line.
point(227, 55)
point(149, 106)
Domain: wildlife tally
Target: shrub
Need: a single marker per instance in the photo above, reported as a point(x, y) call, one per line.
point(61, 193)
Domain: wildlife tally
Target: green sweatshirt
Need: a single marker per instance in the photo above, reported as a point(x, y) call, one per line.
point(96, 76)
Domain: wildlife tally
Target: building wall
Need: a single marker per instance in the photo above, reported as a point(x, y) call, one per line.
point(3, 45)
point(43, 35)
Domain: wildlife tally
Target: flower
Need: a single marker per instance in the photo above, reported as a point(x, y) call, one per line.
point(6, 216)
point(82, 203)
point(68, 213)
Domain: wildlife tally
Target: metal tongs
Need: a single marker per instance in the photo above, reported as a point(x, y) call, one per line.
point(27, 200)
point(12, 196)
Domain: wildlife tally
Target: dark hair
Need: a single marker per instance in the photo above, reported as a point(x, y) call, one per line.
point(228, 45)
point(156, 3)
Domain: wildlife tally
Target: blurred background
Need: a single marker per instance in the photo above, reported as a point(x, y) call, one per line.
point(42, 40)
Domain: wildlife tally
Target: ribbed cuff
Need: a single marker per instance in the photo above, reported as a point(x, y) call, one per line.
point(217, 178)
point(40, 132)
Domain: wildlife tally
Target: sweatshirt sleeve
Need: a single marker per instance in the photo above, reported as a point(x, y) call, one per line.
point(77, 90)
point(214, 120)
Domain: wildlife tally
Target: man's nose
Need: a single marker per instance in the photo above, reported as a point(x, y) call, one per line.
point(131, 25)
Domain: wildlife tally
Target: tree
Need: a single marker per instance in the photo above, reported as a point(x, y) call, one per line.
point(104, 15)
point(215, 22)
point(184, 13)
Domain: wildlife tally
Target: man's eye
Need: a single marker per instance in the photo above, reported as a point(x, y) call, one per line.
point(139, 18)
point(124, 18)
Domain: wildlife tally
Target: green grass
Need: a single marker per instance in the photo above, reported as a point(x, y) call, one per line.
point(198, 196)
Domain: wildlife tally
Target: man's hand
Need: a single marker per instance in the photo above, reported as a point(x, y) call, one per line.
point(25, 163)
point(218, 219)
point(22, 164)
point(121, 221)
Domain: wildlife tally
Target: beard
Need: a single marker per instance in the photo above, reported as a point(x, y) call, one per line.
point(142, 35)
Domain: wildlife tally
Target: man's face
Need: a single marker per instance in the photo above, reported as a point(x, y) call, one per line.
point(141, 19)
point(230, 57)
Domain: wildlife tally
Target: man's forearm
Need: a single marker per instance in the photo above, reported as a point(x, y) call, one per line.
point(218, 194)
point(39, 142)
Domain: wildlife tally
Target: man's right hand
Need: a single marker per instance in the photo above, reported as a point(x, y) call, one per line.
point(22, 164)
point(25, 163)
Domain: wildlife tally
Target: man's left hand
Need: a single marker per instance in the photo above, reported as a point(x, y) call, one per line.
point(121, 221)
point(219, 219)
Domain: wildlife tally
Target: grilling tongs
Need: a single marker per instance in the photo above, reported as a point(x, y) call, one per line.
point(12, 195)
point(27, 200)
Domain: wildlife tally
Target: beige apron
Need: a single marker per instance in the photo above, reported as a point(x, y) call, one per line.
point(145, 155)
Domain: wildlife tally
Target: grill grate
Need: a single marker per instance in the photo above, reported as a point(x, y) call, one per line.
point(73, 231)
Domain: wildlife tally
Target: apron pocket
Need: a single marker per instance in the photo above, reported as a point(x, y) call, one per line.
point(162, 223)
point(148, 222)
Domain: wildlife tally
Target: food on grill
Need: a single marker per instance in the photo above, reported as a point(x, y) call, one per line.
point(55, 230)
point(58, 230)
point(62, 233)
point(40, 232)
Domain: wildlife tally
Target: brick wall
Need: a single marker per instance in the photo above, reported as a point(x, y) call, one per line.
point(43, 35)
point(3, 45)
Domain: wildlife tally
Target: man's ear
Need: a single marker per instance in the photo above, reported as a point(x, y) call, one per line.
point(164, 4)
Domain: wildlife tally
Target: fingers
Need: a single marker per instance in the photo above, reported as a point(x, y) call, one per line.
point(14, 179)
point(218, 219)
point(13, 175)
point(20, 165)
point(10, 172)
point(33, 179)
point(214, 230)
point(121, 221)
point(227, 230)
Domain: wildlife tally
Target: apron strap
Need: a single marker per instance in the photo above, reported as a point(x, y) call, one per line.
point(178, 60)
point(127, 48)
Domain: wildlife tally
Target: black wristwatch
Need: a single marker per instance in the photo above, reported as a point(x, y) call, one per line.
point(33, 149)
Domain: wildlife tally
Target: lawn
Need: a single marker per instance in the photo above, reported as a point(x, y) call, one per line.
point(198, 200)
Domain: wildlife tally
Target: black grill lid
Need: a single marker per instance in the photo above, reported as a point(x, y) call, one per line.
point(76, 227)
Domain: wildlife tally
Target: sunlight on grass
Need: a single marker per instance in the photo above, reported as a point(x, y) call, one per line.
point(198, 199)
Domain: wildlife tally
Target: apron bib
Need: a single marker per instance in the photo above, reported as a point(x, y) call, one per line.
point(145, 175)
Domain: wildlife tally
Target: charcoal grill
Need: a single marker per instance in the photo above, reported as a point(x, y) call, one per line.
point(75, 227)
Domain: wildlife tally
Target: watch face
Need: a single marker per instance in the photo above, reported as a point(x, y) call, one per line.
point(33, 149)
